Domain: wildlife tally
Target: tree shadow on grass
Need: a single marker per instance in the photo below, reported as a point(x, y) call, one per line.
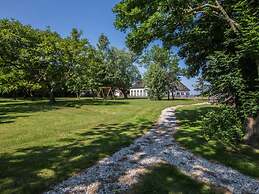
point(164, 179)
point(35, 169)
point(4, 118)
point(245, 159)
point(12, 107)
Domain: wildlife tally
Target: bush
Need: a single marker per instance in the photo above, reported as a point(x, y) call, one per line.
point(223, 125)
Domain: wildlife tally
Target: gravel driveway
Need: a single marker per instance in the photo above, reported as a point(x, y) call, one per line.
point(123, 169)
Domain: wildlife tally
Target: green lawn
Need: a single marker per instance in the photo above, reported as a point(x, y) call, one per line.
point(165, 179)
point(41, 144)
point(245, 159)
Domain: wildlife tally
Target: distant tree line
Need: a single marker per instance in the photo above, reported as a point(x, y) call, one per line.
point(37, 62)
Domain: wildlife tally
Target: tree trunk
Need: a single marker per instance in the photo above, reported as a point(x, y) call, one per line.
point(93, 93)
point(52, 99)
point(257, 64)
point(125, 94)
point(15, 95)
point(168, 95)
point(172, 91)
point(234, 26)
point(252, 128)
point(252, 131)
point(78, 94)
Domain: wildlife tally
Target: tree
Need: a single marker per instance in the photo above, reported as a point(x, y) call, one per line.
point(167, 61)
point(18, 57)
point(103, 49)
point(35, 60)
point(53, 67)
point(197, 28)
point(155, 80)
point(121, 70)
point(116, 66)
point(103, 43)
point(78, 61)
point(211, 36)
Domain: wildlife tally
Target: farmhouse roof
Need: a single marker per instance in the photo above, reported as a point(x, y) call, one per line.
point(181, 87)
point(138, 84)
point(178, 86)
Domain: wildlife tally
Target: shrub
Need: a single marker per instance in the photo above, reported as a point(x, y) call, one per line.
point(223, 125)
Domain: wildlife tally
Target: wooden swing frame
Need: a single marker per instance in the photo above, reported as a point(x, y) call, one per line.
point(102, 92)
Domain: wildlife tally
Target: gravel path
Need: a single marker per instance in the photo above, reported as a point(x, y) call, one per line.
point(119, 172)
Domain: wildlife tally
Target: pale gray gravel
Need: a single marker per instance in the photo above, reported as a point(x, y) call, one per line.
point(124, 168)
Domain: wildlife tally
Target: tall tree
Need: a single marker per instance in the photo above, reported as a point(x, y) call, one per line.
point(78, 61)
point(167, 61)
point(122, 72)
point(155, 80)
point(104, 49)
point(116, 66)
point(53, 66)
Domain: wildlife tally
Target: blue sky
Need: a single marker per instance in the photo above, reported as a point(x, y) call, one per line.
point(93, 17)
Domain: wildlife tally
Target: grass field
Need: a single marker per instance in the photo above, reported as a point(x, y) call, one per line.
point(41, 144)
point(244, 159)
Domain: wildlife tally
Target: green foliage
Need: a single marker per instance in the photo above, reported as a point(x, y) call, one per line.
point(228, 82)
point(223, 125)
point(155, 81)
point(116, 66)
point(217, 39)
point(78, 61)
point(18, 56)
point(249, 104)
point(165, 60)
point(121, 71)
point(41, 61)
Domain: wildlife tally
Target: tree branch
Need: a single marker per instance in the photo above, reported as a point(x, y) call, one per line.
point(216, 9)
point(200, 8)
point(234, 26)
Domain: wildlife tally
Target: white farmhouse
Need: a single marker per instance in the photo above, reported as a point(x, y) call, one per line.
point(140, 91)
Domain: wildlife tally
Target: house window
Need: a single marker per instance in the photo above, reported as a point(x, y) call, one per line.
point(134, 92)
point(140, 93)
